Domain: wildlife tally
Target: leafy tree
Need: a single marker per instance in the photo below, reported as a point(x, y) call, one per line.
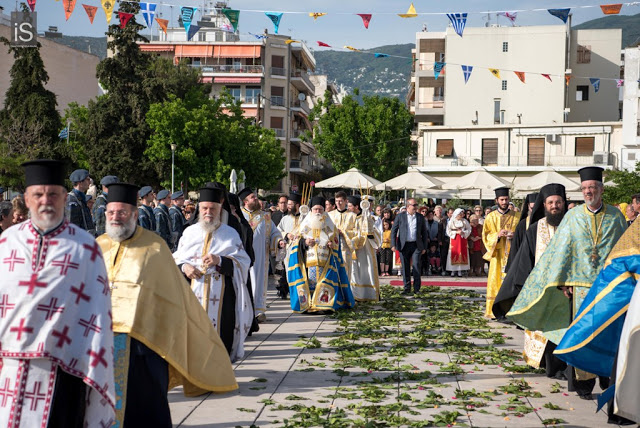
point(212, 138)
point(627, 185)
point(373, 136)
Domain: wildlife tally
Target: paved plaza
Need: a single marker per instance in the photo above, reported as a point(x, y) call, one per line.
point(426, 360)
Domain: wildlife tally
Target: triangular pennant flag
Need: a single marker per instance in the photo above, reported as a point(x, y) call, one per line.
point(437, 68)
point(495, 72)
point(511, 16)
point(193, 29)
point(163, 24)
point(186, 13)
point(380, 55)
point(458, 21)
point(69, 5)
point(323, 44)
point(619, 83)
point(366, 19)
point(233, 16)
point(562, 14)
point(259, 36)
point(32, 5)
point(596, 83)
point(611, 9)
point(108, 5)
point(291, 41)
point(124, 17)
point(275, 18)
point(520, 75)
point(316, 15)
point(91, 11)
point(467, 69)
point(548, 76)
point(351, 48)
point(148, 11)
point(411, 13)
point(567, 79)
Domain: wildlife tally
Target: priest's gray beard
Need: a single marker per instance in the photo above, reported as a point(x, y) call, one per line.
point(46, 218)
point(119, 231)
point(208, 223)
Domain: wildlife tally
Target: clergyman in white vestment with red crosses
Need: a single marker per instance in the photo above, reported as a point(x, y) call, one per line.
point(56, 343)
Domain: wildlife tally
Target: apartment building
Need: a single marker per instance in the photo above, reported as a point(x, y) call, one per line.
point(630, 149)
point(271, 78)
point(516, 129)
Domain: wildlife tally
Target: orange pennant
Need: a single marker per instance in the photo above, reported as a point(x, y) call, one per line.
point(520, 75)
point(69, 5)
point(163, 24)
point(611, 9)
point(567, 78)
point(91, 11)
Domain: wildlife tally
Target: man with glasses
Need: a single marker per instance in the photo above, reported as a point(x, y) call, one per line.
point(410, 236)
point(282, 210)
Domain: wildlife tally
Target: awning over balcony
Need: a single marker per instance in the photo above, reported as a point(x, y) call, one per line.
point(198, 51)
point(206, 80)
point(224, 51)
point(237, 80)
point(156, 48)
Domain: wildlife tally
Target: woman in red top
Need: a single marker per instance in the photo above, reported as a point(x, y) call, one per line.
point(476, 248)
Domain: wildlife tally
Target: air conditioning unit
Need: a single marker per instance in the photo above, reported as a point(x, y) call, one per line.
point(552, 138)
point(600, 158)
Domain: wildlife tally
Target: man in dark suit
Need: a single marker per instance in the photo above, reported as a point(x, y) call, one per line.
point(410, 236)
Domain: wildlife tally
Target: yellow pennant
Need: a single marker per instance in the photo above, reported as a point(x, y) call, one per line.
point(411, 13)
point(351, 48)
point(291, 41)
point(495, 72)
point(108, 5)
point(316, 15)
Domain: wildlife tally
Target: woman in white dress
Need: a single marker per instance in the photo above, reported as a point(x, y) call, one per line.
point(458, 229)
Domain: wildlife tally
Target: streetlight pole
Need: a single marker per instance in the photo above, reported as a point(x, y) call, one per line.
point(173, 153)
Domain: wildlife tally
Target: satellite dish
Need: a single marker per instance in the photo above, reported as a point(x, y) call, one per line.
point(302, 96)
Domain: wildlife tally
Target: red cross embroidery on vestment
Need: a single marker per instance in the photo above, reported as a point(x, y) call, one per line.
point(21, 329)
point(5, 305)
point(35, 396)
point(33, 283)
point(65, 264)
point(51, 308)
point(79, 293)
point(89, 325)
point(105, 284)
point(97, 357)
point(62, 336)
point(6, 393)
point(95, 251)
point(13, 260)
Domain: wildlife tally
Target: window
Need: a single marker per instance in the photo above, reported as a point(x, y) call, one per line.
point(584, 54)
point(277, 96)
point(535, 152)
point(496, 111)
point(505, 46)
point(252, 94)
point(277, 122)
point(218, 36)
point(235, 91)
point(489, 151)
point(504, 85)
point(582, 93)
point(202, 36)
point(584, 146)
point(444, 148)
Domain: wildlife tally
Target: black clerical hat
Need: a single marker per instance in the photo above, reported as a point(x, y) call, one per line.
point(43, 172)
point(548, 190)
point(244, 193)
point(210, 194)
point(317, 200)
point(295, 197)
point(354, 199)
point(502, 191)
point(123, 192)
point(216, 185)
point(590, 173)
point(525, 211)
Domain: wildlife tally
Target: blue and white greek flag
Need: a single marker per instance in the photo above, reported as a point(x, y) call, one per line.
point(562, 14)
point(64, 133)
point(148, 11)
point(467, 69)
point(458, 20)
point(437, 69)
point(596, 83)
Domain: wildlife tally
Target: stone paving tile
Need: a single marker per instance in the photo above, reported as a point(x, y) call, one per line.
point(291, 373)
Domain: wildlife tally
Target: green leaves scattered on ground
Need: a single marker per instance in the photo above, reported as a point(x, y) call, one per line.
point(312, 343)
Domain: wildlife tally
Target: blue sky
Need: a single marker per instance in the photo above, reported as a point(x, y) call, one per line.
point(339, 27)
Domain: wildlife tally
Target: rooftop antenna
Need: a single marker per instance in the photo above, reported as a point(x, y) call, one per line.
point(488, 18)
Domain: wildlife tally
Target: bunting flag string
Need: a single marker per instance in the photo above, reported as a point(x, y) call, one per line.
point(323, 44)
point(69, 5)
point(275, 18)
point(458, 21)
point(107, 5)
point(193, 29)
point(233, 15)
point(258, 36)
point(288, 42)
point(548, 76)
point(596, 84)
point(380, 55)
point(567, 79)
point(495, 72)
point(619, 83)
point(32, 5)
point(511, 16)
point(466, 70)
point(163, 23)
point(437, 69)
point(316, 15)
point(411, 13)
point(366, 18)
point(561, 14)
point(520, 75)
point(148, 11)
point(91, 11)
point(611, 9)
point(186, 13)
point(351, 48)
point(124, 18)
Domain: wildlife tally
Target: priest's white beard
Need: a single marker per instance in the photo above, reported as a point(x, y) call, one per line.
point(46, 218)
point(119, 231)
point(208, 223)
point(315, 221)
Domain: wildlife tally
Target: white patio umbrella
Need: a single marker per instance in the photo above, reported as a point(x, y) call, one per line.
point(480, 179)
point(413, 179)
point(352, 179)
point(545, 177)
point(233, 188)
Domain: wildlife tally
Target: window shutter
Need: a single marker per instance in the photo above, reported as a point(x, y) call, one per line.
point(535, 153)
point(490, 151)
point(584, 146)
point(444, 148)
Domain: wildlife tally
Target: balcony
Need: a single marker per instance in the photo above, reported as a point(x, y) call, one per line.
point(225, 70)
point(300, 106)
point(300, 79)
point(299, 165)
point(514, 161)
point(277, 101)
point(280, 133)
point(429, 110)
point(297, 133)
point(277, 71)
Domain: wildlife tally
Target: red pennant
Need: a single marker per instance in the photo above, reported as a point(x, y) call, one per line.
point(611, 9)
point(69, 5)
point(323, 44)
point(91, 11)
point(567, 78)
point(366, 18)
point(548, 77)
point(124, 17)
point(520, 75)
point(32, 5)
point(163, 24)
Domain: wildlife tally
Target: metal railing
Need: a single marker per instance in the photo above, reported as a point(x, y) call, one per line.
point(229, 68)
point(432, 104)
point(280, 133)
point(573, 161)
point(301, 105)
point(277, 71)
point(277, 101)
point(305, 78)
point(299, 164)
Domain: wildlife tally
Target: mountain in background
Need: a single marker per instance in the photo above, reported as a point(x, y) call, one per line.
point(630, 25)
point(93, 45)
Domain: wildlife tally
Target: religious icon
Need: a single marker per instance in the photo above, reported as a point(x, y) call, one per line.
point(324, 297)
point(302, 297)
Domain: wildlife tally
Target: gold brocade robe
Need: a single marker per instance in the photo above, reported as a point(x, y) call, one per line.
point(497, 251)
point(153, 303)
point(346, 222)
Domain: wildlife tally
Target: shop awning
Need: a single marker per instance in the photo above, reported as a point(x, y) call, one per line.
point(156, 48)
point(237, 80)
point(198, 51)
point(234, 51)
